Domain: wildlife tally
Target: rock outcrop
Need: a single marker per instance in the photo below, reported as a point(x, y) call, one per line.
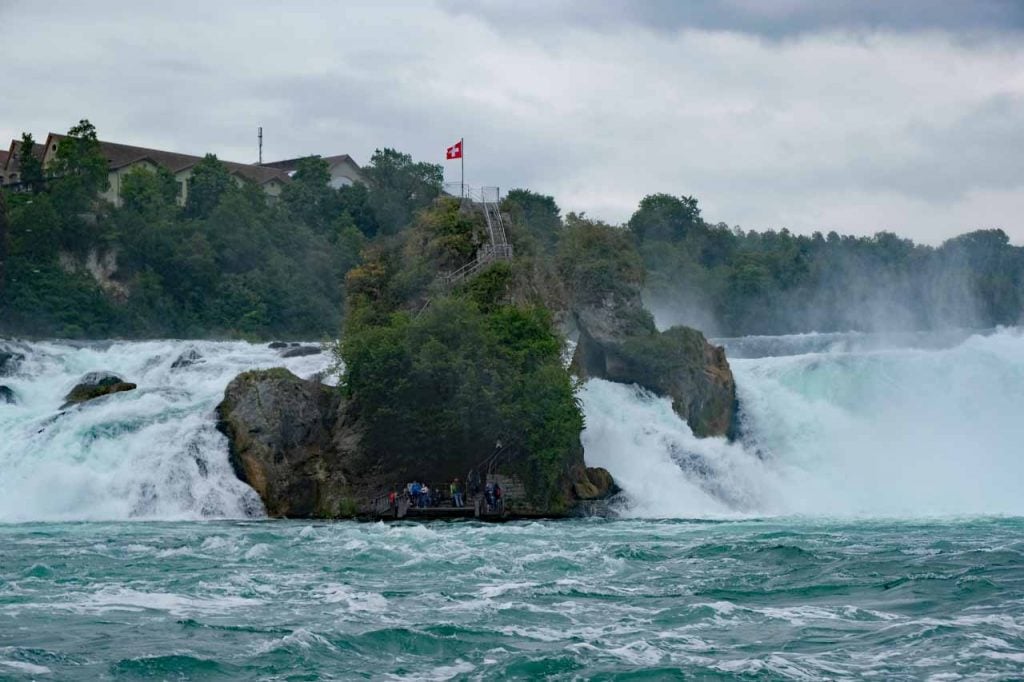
point(301, 351)
point(187, 359)
point(95, 385)
point(9, 361)
point(592, 483)
point(619, 342)
point(297, 443)
point(101, 266)
point(289, 439)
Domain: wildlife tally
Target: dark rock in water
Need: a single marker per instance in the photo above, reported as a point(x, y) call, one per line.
point(301, 351)
point(277, 345)
point(187, 359)
point(7, 395)
point(95, 385)
point(619, 342)
point(9, 361)
point(290, 440)
point(592, 483)
point(301, 446)
point(678, 363)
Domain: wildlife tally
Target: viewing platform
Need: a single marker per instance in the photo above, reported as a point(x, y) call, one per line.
point(476, 507)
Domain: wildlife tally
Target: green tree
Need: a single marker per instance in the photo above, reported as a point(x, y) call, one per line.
point(595, 258)
point(355, 201)
point(210, 180)
point(665, 217)
point(29, 166)
point(400, 187)
point(309, 196)
point(149, 192)
point(79, 171)
point(538, 212)
point(5, 246)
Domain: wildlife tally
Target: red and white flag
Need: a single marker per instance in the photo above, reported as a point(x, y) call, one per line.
point(455, 151)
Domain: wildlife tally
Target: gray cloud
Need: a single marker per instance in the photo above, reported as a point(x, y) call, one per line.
point(904, 119)
point(778, 19)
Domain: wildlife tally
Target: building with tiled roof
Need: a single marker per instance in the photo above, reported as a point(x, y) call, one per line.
point(10, 161)
point(123, 159)
point(344, 171)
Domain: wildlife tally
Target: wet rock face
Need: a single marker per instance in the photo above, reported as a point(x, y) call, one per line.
point(300, 447)
point(592, 483)
point(290, 441)
point(9, 362)
point(7, 396)
point(301, 351)
point(619, 342)
point(187, 359)
point(95, 385)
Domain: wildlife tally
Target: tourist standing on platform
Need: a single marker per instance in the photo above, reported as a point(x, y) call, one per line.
point(457, 497)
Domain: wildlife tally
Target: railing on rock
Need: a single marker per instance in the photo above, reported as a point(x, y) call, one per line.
point(498, 246)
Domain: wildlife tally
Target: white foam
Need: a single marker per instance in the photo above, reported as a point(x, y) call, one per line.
point(113, 599)
point(30, 668)
point(151, 453)
point(890, 433)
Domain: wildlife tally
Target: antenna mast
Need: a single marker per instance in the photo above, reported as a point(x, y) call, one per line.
point(260, 136)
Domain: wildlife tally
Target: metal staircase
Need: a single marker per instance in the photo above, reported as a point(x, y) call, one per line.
point(498, 246)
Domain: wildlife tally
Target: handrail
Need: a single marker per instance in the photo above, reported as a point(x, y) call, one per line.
point(499, 248)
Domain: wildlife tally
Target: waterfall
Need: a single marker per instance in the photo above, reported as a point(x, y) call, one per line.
point(860, 425)
point(149, 453)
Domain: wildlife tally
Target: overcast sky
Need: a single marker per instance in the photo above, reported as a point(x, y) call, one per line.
point(843, 115)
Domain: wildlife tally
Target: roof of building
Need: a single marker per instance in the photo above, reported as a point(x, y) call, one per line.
point(3, 157)
point(293, 164)
point(12, 158)
point(121, 155)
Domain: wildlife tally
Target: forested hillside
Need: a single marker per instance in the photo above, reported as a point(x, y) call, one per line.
point(730, 282)
point(230, 263)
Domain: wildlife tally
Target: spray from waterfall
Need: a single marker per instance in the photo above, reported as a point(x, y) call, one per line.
point(858, 428)
point(149, 453)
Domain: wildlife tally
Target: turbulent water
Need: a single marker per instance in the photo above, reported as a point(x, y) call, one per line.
point(870, 522)
point(149, 453)
point(581, 599)
point(931, 426)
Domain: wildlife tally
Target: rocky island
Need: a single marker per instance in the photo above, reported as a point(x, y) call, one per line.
point(447, 377)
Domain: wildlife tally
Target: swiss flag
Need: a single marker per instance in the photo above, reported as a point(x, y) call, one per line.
point(455, 151)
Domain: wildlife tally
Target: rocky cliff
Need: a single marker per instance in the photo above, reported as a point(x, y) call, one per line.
point(618, 341)
point(301, 447)
point(678, 363)
point(289, 440)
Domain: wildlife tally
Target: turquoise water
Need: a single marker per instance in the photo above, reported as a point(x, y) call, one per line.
point(624, 599)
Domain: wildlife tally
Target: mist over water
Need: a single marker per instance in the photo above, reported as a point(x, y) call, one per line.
point(833, 424)
point(859, 427)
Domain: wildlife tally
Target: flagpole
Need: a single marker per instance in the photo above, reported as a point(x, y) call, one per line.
point(462, 162)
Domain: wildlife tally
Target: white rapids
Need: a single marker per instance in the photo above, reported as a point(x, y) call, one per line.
point(858, 427)
point(834, 425)
point(149, 453)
